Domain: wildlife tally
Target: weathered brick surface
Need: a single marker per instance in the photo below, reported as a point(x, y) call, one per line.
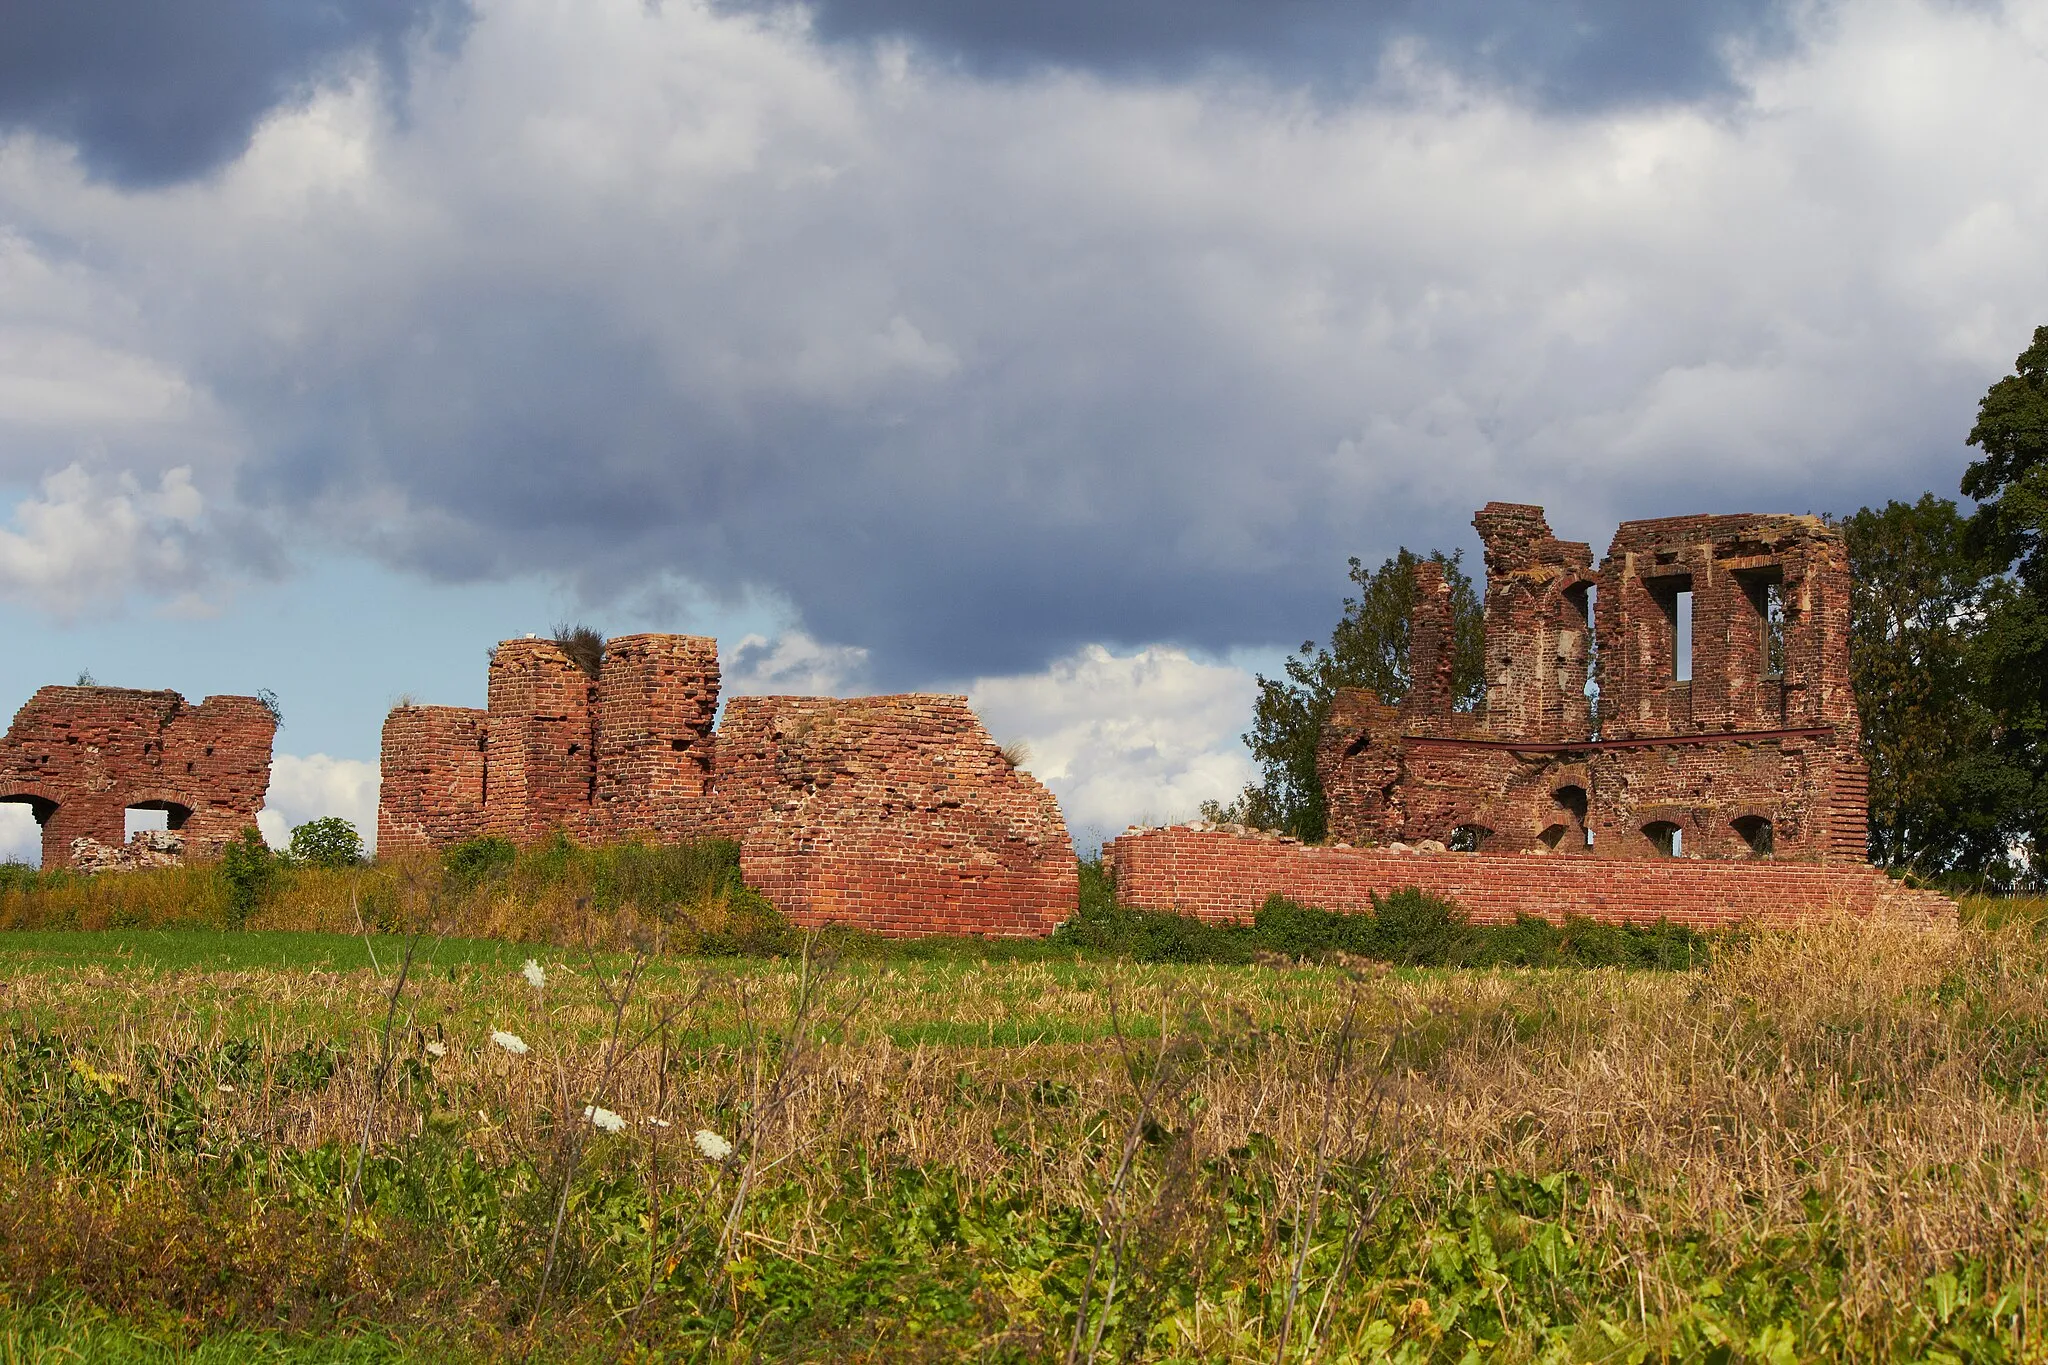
point(658, 697)
point(1738, 746)
point(81, 757)
point(539, 759)
point(433, 788)
point(897, 814)
point(1220, 875)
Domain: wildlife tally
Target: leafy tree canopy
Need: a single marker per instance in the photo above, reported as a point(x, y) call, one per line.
point(1943, 797)
point(1368, 649)
point(327, 842)
point(2010, 483)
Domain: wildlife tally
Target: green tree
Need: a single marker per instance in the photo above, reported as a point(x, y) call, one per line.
point(1943, 797)
point(2010, 485)
point(329, 841)
point(1368, 649)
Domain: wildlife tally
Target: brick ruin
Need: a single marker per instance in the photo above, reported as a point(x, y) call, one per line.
point(1226, 874)
point(1754, 754)
point(898, 814)
point(1732, 791)
point(82, 757)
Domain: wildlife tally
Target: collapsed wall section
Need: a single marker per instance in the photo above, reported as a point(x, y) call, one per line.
point(82, 757)
point(432, 792)
point(1220, 875)
point(895, 814)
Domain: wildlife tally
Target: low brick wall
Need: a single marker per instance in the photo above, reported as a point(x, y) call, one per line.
point(1223, 875)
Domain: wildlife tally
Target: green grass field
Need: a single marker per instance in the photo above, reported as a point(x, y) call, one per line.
point(258, 1146)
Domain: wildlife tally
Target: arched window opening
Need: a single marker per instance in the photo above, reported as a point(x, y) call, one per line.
point(142, 815)
point(1756, 832)
point(1571, 800)
point(1468, 838)
point(1666, 838)
point(39, 806)
point(19, 839)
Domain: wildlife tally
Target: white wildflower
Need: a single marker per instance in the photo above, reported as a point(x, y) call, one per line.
point(225, 1088)
point(603, 1118)
point(714, 1147)
point(511, 1042)
point(435, 1049)
point(657, 1123)
point(535, 974)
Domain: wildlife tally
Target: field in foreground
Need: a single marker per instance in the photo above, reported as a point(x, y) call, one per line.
point(1825, 1144)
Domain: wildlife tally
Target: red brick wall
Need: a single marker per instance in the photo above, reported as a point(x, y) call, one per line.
point(657, 698)
point(82, 756)
point(1538, 640)
point(433, 777)
point(895, 814)
point(542, 771)
point(1220, 875)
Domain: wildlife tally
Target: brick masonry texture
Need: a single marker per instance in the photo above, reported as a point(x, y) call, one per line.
point(1218, 874)
point(894, 814)
point(81, 757)
point(1754, 755)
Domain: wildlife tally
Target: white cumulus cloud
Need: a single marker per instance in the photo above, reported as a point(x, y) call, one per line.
point(790, 664)
point(310, 787)
point(86, 540)
point(21, 838)
point(1122, 738)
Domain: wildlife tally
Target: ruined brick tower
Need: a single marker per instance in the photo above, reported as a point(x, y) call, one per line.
point(897, 814)
point(1751, 751)
point(82, 757)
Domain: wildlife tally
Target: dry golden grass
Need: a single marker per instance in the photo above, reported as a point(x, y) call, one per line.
point(1872, 1089)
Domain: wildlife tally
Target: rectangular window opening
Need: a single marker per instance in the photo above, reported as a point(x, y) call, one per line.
point(1773, 614)
point(1681, 636)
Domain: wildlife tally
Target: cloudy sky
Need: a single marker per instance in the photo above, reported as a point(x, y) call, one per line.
point(1056, 353)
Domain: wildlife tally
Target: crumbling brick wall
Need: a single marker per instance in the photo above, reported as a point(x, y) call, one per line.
point(82, 757)
point(1222, 875)
point(897, 814)
point(1755, 754)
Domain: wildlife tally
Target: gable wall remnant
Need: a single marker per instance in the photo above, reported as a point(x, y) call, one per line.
point(82, 757)
point(1754, 754)
point(897, 814)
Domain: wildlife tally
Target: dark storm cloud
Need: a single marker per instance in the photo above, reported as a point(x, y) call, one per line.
point(974, 372)
point(154, 91)
point(1571, 54)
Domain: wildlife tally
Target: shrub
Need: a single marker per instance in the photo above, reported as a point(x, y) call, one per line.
point(469, 864)
point(1104, 926)
point(251, 874)
point(584, 646)
point(327, 842)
